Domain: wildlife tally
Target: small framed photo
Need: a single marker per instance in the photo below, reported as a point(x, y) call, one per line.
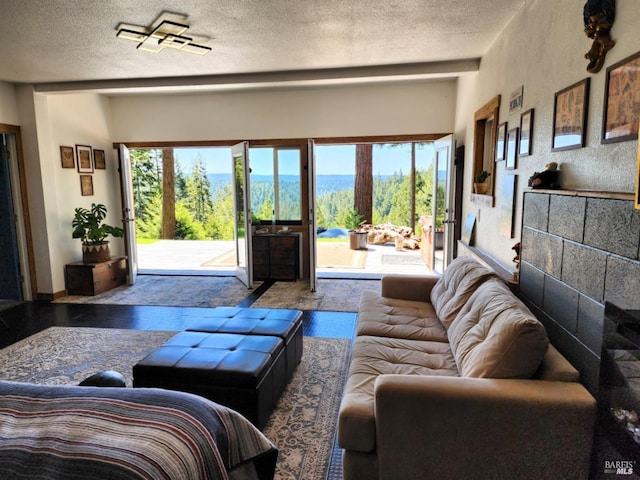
point(85, 160)
point(570, 116)
point(621, 101)
point(512, 148)
point(67, 157)
point(501, 142)
point(86, 185)
point(526, 131)
point(98, 160)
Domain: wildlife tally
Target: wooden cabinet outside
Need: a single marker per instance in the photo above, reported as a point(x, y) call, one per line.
point(276, 257)
point(94, 278)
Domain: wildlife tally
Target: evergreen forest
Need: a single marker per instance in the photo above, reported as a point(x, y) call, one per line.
point(204, 202)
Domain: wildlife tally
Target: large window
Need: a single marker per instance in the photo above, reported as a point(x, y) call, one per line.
point(275, 184)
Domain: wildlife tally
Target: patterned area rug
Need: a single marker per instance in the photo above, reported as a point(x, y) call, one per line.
point(183, 291)
point(302, 425)
point(339, 255)
point(177, 291)
point(330, 295)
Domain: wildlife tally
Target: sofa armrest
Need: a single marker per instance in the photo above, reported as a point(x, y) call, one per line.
point(450, 428)
point(408, 287)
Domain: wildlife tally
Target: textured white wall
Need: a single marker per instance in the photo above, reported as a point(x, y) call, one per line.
point(384, 109)
point(8, 104)
point(543, 49)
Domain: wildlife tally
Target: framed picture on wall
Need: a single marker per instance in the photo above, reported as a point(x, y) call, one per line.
point(98, 160)
point(621, 101)
point(526, 131)
point(512, 148)
point(86, 185)
point(67, 158)
point(85, 162)
point(501, 141)
point(570, 116)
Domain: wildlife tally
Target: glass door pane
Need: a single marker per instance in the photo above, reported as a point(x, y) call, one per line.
point(242, 214)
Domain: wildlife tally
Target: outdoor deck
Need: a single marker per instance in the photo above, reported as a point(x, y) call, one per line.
point(202, 257)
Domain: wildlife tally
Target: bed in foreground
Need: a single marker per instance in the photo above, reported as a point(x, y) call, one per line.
point(70, 432)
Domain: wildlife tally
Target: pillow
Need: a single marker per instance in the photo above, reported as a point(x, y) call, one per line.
point(456, 285)
point(496, 336)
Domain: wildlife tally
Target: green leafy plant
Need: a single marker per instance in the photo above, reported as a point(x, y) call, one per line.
point(88, 225)
point(353, 220)
point(482, 176)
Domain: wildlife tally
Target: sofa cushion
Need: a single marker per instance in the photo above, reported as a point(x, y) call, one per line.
point(496, 336)
point(459, 281)
point(375, 356)
point(394, 318)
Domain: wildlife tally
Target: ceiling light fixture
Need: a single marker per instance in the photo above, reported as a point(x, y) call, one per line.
point(166, 31)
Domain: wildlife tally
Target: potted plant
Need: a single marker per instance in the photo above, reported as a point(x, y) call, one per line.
point(480, 185)
point(88, 226)
point(357, 236)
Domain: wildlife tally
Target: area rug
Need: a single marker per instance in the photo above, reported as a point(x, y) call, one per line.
point(227, 259)
point(177, 291)
point(339, 255)
point(302, 426)
point(330, 295)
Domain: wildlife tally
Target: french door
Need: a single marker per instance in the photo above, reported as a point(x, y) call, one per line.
point(443, 215)
point(242, 213)
point(128, 214)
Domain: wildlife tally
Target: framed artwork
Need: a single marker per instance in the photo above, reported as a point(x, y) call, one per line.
point(512, 148)
point(501, 141)
point(570, 116)
point(526, 132)
point(67, 158)
point(507, 205)
point(86, 185)
point(621, 101)
point(637, 202)
point(85, 163)
point(98, 160)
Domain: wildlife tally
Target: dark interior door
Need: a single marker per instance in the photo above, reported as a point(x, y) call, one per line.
point(10, 278)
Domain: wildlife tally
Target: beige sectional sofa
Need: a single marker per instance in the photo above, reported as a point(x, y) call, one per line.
point(453, 377)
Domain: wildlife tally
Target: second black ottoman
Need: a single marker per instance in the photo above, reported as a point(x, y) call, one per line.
point(244, 372)
point(278, 322)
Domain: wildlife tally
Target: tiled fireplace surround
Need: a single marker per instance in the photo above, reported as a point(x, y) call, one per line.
point(579, 249)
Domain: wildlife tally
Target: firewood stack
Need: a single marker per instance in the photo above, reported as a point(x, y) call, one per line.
point(389, 233)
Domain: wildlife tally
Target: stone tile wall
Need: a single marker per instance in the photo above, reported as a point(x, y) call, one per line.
point(578, 251)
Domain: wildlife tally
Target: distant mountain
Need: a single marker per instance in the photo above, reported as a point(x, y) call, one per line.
point(324, 183)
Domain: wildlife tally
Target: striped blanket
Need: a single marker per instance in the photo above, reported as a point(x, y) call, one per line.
point(121, 433)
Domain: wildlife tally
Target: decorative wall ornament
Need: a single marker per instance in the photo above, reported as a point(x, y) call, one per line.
point(598, 20)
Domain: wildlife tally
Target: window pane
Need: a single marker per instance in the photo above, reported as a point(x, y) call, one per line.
point(288, 206)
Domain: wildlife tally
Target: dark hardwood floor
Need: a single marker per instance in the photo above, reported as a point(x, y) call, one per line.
point(25, 319)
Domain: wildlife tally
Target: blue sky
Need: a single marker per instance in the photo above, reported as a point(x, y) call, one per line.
point(330, 159)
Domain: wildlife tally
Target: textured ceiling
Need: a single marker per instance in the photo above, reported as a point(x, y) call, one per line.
point(59, 41)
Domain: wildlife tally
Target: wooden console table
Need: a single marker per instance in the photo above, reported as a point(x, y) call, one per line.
point(94, 278)
point(275, 256)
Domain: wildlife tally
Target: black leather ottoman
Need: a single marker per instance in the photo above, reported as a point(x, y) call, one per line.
point(286, 324)
point(244, 372)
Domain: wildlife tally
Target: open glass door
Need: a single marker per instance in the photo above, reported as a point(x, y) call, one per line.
point(241, 213)
point(443, 214)
point(313, 230)
point(128, 214)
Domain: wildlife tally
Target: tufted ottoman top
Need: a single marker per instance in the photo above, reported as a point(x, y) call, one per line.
point(250, 321)
point(221, 359)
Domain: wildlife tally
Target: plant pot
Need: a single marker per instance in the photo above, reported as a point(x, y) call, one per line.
point(95, 252)
point(357, 240)
point(480, 188)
